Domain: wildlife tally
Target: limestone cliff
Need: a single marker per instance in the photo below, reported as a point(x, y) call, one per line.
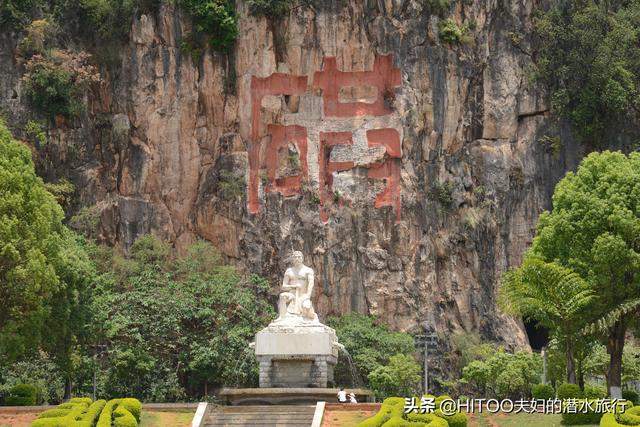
point(410, 171)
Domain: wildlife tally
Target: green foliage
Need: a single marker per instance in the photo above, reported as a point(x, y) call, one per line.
point(215, 19)
point(392, 413)
point(17, 14)
point(631, 396)
point(443, 193)
point(40, 36)
point(400, 377)
point(31, 235)
point(594, 392)
point(36, 133)
point(593, 230)
point(171, 323)
point(590, 60)
point(39, 370)
point(232, 186)
point(504, 375)
point(22, 395)
point(270, 8)
point(569, 391)
point(369, 343)
point(630, 417)
point(450, 32)
point(582, 417)
point(55, 84)
point(543, 391)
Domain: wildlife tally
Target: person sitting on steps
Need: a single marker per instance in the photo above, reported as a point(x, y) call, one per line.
point(342, 396)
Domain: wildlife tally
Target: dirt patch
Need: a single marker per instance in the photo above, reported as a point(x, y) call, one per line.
point(17, 420)
point(348, 415)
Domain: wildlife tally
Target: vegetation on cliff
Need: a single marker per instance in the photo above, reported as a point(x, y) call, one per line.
point(588, 56)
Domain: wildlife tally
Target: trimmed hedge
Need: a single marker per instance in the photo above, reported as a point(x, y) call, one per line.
point(81, 412)
point(392, 414)
point(121, 413)
point(630, 417)
point(22, 395)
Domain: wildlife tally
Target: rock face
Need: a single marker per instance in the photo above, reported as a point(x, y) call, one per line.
point(410, 172)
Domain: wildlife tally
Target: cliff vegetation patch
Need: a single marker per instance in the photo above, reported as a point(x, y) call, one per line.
point(589, 58)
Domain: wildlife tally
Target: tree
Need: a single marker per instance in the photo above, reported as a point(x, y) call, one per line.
point(31, 237)
point(589, 58)
point(593, 230)
point(401, 377)
point(370, 344)
point(44, 271)
point(553, 295)
point(174, 326)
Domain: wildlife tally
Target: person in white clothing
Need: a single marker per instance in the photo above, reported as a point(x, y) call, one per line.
point(342, 395)
point(352, 398)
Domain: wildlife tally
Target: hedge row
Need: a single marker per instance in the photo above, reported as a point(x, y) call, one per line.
point(81, 412)
point(630, 417)
point(391, 414)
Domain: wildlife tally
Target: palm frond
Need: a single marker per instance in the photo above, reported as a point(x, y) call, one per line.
point(607, 321)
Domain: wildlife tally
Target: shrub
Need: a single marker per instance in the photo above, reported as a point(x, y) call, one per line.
point(580, 418)
point(438, 7)
point(55, 84)
point(630, 417)
point(92, 413)
point(107, 413)
point(450, 32)
point(595, 392)
point(66, 420)
point(631, 395)
point(569, 391)
point(392, 414)
point(22, 395)
point(40, 35)
point(270, 8)
point(214, 18)
point(123, 418)
point(16, 14)
point(132, 405)
point(543, 391)
point(400, 377)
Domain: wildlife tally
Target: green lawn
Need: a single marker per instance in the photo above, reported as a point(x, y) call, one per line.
point(165, 419)
point(517, 420)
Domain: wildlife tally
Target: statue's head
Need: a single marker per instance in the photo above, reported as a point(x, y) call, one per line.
point(296, 258)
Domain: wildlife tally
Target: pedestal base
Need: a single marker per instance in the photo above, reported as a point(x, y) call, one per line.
point(288, 396)
point(296, 370)
point(296, 355)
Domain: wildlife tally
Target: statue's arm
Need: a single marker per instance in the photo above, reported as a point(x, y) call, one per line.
point(285, 282)
point(310, 283)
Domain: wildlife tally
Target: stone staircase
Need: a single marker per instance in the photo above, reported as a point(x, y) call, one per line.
point(260, 416)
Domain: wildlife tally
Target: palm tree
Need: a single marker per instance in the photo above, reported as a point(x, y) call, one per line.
point(553, 295)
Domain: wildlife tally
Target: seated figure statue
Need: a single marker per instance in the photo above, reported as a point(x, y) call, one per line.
point(295, 303)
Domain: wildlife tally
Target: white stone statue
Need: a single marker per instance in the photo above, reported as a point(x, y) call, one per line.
point(295, 304)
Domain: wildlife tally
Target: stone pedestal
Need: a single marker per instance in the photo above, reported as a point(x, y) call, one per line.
point(300, 355)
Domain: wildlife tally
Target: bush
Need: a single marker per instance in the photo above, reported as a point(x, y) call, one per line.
point(569, 391)
point(123, 418)
point(55, 413)
point(270, 8)
point(392, 414)
point(580, 418)
point(595, 392)
point(630, 417)
point(543, 391)
point(631, 395)
point(132, 405)
point(214, 18)
point(22, 395)
point(92, 413)
point(400, 377)
point(55, 84)
point(450, 32)
point(69, 419)
point(107, 413)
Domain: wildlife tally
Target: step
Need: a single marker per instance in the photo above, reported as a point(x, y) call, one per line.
point(260, 416)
